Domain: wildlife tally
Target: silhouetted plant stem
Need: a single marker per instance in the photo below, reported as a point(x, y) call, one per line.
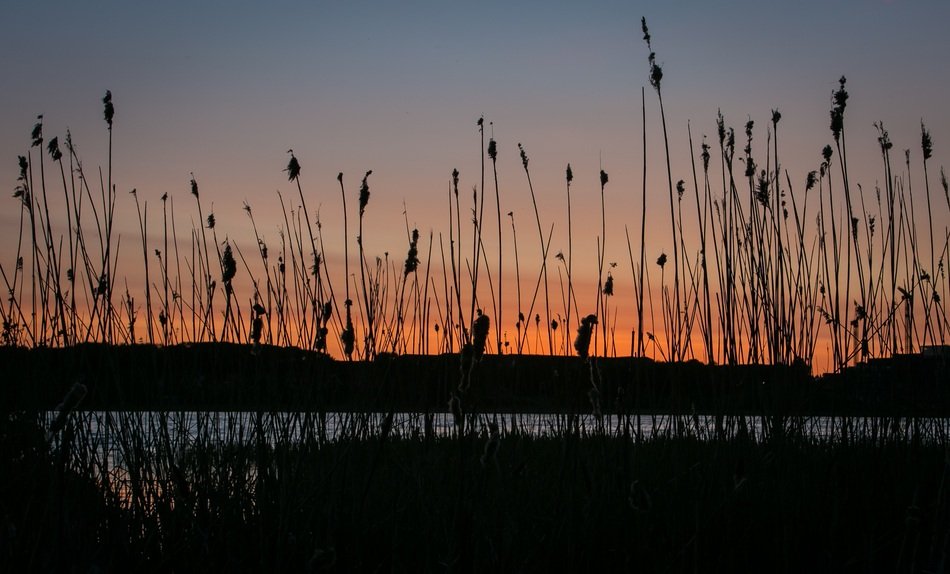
point(701, 221)
point(544, 248)
point(520, 323)
point(643, 226)
point(148, 290)
point(656, 76)
point(499, 310)
point(370, 350)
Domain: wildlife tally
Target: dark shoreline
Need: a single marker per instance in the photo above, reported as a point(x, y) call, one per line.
point(217, 376)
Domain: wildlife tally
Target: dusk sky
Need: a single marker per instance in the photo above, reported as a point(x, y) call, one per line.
point(225, 89)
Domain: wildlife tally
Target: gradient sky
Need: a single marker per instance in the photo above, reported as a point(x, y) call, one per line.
point(224, 89)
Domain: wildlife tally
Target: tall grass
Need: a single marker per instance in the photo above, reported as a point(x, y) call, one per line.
point(764, 275)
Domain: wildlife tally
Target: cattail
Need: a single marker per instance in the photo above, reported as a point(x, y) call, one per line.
point(680, 189)
point(584, 331)
point(257, 328)
point(609, 285)
point(480, 334)
point(211, 221)
point(194, 186)
point(348, 336)
point(570, 174)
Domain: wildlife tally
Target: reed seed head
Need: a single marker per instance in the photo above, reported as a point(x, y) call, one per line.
point(680, 189)
point(37, 134)
point(730, 144)
point(810, 180)
point(721, 127)
point(883, 138)
point(762, 189)
point(603, 178)
point(23, 165)
point(569, 175)
point(524, 156)
point(749, 166)
point(661, 260)
point(228, 264)
point(492, 149)
point(839, 102)
point(108, 110)
point(293, 167)
point(364, 192)
point(194, 186)
point(926, 144)
point(412, 257)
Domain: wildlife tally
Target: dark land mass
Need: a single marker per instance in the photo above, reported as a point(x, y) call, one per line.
point(218, 376)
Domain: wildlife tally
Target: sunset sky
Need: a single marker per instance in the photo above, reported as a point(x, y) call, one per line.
point(225, 89)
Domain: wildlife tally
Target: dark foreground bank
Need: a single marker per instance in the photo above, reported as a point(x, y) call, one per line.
point(474, 502)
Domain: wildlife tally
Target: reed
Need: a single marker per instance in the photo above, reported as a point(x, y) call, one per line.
point(763, 274)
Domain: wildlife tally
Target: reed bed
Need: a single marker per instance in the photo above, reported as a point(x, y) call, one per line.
point(761, 266)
